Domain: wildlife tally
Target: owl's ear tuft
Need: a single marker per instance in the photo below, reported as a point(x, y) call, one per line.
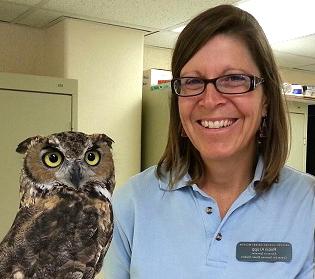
point(98, 138)
point(25, 144)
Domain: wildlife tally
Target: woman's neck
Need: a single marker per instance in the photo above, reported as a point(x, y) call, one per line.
point(225, 180)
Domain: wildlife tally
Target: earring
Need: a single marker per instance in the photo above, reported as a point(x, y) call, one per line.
point(262, 130)
point(183, 133)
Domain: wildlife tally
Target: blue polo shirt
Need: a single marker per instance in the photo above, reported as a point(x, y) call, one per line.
point(161, 233)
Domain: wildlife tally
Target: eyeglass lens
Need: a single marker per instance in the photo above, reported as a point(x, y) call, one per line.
point(230, 84)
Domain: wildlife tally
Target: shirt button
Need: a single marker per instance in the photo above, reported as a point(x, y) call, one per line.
point(218, 237)
point(209, 210)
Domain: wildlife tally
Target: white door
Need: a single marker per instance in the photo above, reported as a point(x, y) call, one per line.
point(297, 157)
point(22, 115)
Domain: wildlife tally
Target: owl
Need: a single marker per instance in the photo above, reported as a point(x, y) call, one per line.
point(64, 225)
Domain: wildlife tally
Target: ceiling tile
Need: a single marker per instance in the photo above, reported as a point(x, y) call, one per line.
point(9, 11)
point(285, 59)
point(165, 39)
point(151, 14)
point(301, 46)
point(39, 18)
point(24, 2)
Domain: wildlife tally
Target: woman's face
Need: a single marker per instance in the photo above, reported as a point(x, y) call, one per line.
point(238, 116)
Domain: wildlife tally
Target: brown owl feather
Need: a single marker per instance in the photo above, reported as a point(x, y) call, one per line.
point(65, 222)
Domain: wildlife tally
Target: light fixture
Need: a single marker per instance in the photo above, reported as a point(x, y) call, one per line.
point(282, 20)
point(178, 29)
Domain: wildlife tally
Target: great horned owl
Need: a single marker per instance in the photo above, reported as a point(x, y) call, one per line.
point(65, 222)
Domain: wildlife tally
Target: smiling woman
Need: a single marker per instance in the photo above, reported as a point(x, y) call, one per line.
point(220, 203)
point(223, 146)
point(227, 45)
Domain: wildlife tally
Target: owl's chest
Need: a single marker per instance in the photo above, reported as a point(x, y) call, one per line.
point(66, 225)
point(71, 214)
point(58, 235)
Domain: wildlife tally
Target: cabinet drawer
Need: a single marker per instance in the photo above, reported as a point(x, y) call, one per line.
point(297, 107)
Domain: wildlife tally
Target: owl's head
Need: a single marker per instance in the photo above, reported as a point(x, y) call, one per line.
point(67, 162)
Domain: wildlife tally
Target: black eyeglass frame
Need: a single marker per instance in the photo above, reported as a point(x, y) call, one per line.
point(254, 81)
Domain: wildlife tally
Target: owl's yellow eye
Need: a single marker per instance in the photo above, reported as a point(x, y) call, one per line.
point(52, 159)
point(92, 157)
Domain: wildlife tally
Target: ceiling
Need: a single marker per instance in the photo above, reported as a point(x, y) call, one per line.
point(155, 17)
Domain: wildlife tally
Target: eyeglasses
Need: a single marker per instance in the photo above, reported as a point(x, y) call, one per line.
point(228, 84)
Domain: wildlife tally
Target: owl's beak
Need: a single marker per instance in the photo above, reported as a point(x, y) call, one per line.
point(75, 175)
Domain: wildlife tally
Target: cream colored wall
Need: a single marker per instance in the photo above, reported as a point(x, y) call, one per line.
point(108, 61)
point(55, 50)
point(33, 51)
point(158, 58)
point(295, 76)
point(21, 49)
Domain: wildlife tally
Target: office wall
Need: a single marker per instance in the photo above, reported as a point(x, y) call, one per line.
point(108, 61)
point(296, 76)
point(21, 49)
point(55, 51)
point(155, 57)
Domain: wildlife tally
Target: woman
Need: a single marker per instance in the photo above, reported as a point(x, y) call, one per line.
point(220, 203)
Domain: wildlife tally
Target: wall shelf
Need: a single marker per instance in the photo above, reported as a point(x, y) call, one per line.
point(301, 99)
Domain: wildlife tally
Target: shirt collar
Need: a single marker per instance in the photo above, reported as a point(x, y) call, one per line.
point(259, 171)
point(184, 181)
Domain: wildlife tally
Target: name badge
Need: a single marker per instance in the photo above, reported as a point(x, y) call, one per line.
point(264, 251)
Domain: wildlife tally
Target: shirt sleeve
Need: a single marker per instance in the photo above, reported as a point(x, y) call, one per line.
point(308, 270)
point(117, 259)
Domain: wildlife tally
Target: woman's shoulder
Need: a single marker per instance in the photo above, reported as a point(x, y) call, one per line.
point(137, 187)
point(142, 179)
point(297, 180)
point(296, 175)
point(294, 192)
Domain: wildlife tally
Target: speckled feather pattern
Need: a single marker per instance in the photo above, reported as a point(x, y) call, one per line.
point(61, 231)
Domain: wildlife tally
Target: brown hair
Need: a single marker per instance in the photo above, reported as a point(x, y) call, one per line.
point(180, 156)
